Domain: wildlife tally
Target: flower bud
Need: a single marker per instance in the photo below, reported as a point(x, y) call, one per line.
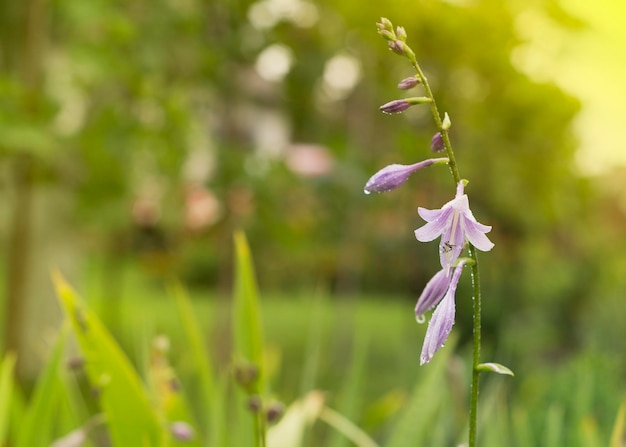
point(445, 125)
point(408, 83)
point(401, 33)
point(436, 144)
point(387, 35)
point(246, 375)
point(397, 46)
point(385, 24)
point(274, 412)
point(76, 363)
point(182, 431)
point(254, 403)
point(395, 106)
point(393, 176)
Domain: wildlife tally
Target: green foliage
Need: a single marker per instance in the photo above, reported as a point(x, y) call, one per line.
point(414, 426)
point(246, 311)
point(130, 418)
point(39, 417)
point(6, 390)
point(211, 401)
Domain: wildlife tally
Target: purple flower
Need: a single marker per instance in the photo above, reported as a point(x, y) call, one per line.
point(392, 176)
point(456, 224)
point(439, 291)
point(433, 293)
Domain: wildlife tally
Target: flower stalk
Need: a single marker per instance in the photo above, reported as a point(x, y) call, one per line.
point(476, 299)
point(454, 222)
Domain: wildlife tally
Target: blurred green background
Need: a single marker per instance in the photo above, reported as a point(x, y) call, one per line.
point(135, 136)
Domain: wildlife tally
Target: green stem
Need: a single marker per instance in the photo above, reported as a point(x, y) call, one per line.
point(259, 427)
point(472, 252)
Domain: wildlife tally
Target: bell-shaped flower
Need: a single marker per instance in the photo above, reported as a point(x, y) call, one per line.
point(438, 292)
point(456, 224)
point(392, 176)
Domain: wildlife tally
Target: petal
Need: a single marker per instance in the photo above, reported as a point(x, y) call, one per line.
point(433, 293)
point(433, 229)
point(428, 215)
point(475, 233)
point(442, 321)
point(438, 329)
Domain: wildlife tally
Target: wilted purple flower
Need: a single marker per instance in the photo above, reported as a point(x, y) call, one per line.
point(456, 224)
point(392, 176)
point(440, 325)
point(436, 144)
point(408, 83)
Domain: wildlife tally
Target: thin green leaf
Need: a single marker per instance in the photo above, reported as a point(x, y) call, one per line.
point(347, 428)
point(37, 421)
point(6, 391)
point(130, 418)
point(425, 399)
point(618, 434)
point(246, 312)
point(349, 400)
point(211, 393)
point(496, 368)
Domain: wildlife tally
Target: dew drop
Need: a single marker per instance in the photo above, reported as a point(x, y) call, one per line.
point(367, 191)
point(420, 318)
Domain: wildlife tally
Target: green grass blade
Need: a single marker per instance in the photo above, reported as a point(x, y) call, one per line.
point(349, 402)
point(247, 326)
point(6, 391)
point(35, 426)
point(211, 395)
point(618, 434)
point(423, 403)
point(347, 428)
point(130, 418)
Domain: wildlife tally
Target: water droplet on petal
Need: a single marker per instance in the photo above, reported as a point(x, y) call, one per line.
point(420, 319)
point(367, 192)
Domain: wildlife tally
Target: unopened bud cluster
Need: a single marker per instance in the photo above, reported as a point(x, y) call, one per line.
point(272, 411)
point(395, 39)
point(247, 376)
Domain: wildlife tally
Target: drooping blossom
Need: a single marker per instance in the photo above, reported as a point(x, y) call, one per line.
point(392, 176)
point(438, 292)
point(456, 225)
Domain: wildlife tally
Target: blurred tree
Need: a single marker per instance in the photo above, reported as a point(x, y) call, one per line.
point(263, 115)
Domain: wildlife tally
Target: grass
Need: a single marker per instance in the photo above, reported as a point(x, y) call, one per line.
point(361, 352)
